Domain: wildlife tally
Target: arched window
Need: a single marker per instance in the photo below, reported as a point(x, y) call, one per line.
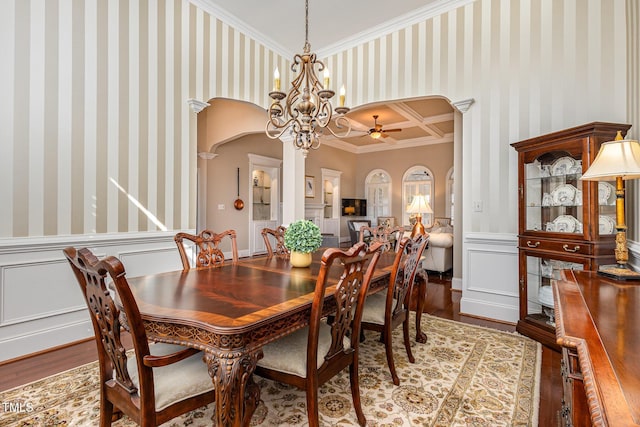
point(450, 199)
point(378, 192)
point(417, 180)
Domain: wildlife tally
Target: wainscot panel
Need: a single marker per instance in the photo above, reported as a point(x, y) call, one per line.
point(490, 279)
point(41, 304)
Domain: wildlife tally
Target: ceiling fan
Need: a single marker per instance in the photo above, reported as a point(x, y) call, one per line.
point(377, 131)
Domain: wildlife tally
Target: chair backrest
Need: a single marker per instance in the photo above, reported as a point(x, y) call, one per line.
point(206, 247)
point(354, 228)
point(401, 279)
point(388, 236)
point(278, 238)
point(349, 293)
point(91, 274)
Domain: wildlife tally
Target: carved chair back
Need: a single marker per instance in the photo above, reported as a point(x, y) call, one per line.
point(277, 236)
point(357, 265)
point(396, 301)
point(388, 236)
point(206, 247)
point(126, 387)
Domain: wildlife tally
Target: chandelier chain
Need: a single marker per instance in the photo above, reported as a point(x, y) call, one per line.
point(307, 46)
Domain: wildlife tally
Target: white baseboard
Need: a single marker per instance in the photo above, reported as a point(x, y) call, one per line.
point(488, 309)
point(42, 339)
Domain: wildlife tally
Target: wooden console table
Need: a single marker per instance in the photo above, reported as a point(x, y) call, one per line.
point(598, 327)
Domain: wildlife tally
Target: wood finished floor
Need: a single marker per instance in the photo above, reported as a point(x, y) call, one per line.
point(441, 301)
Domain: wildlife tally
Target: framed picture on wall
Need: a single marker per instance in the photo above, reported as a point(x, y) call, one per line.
point(309, 186)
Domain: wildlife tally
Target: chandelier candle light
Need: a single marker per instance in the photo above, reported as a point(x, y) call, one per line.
point(307, 111)
point(619, 160)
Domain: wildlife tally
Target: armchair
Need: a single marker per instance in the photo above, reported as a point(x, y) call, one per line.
point(354, 229)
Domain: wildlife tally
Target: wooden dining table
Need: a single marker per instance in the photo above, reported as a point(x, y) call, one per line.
point(232, 311)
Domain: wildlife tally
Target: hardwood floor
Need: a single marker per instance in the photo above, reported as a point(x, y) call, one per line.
point(441, 301)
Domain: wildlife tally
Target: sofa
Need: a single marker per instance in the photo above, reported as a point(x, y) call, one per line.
point(438, 256)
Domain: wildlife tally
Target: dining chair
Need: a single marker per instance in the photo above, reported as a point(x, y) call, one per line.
point(311, 356)
point(388, 236)
point(277, 236)
point(384, 311)
point(206, 248)
point(155, 383)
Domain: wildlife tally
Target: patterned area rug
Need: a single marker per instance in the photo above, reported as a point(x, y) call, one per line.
point(463, 376)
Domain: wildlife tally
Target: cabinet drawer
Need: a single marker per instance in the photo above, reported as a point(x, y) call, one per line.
point(559, 246)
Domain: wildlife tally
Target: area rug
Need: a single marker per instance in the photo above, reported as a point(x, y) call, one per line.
point(463, 376)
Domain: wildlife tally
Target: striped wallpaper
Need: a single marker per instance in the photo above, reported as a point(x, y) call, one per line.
point(532, 67)
point(96, 132)
point(96, 135)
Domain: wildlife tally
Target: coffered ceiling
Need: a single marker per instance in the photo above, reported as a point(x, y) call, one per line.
point(422, 122)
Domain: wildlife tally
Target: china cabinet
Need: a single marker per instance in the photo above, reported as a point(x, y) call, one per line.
point(331, 202)
point(264, 199)
point(564, 222)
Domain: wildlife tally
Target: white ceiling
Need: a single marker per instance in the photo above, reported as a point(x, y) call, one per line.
point(335, 25)
point(279, 24)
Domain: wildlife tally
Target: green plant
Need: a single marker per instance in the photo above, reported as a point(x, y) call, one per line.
point(302, 236)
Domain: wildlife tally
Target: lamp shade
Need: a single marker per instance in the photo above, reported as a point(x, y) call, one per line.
point(419, 205)
point(620, 158)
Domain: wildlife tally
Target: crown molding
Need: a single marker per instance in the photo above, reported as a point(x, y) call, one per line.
point(403, 21)
point(419, 15)
point(231, 20)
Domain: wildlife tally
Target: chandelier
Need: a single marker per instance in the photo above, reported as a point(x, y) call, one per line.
point(307, 110)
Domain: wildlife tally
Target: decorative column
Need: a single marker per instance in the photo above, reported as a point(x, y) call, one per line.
point(201, 192)
point(458, 190)
point(293, 167)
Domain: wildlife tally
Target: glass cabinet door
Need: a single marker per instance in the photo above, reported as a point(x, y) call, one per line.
point(606, 207)
point(554, 194)
point(261, 195)
point(540, 273)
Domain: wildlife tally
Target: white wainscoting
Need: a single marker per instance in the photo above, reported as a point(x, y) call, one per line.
point(490, 279)
point(40, 302)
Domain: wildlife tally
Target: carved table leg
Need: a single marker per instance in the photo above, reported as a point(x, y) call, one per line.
point(421, 280)
point(237, 396)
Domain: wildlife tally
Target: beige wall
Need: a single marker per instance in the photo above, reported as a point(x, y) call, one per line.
point(221, 173)
point(221, 183)
point(438, 158)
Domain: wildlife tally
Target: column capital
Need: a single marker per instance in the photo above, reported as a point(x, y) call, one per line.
point(197, 105)
point(207, 155)
point(463, 105)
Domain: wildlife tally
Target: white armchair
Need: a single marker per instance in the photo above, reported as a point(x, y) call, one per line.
point(438, 256)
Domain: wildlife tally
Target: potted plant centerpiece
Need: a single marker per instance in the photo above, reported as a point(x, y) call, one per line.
point(302, 237)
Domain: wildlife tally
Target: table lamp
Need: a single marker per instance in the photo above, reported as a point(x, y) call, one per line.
point(620, 160)
point(418, 206)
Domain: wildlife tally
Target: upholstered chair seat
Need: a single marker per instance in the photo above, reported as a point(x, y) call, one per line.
point(373, 311)
point(289, 354)
point(176, 382)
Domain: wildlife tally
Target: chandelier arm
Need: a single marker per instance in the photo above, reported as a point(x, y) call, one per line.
point(278, 131)
point(338, 122)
